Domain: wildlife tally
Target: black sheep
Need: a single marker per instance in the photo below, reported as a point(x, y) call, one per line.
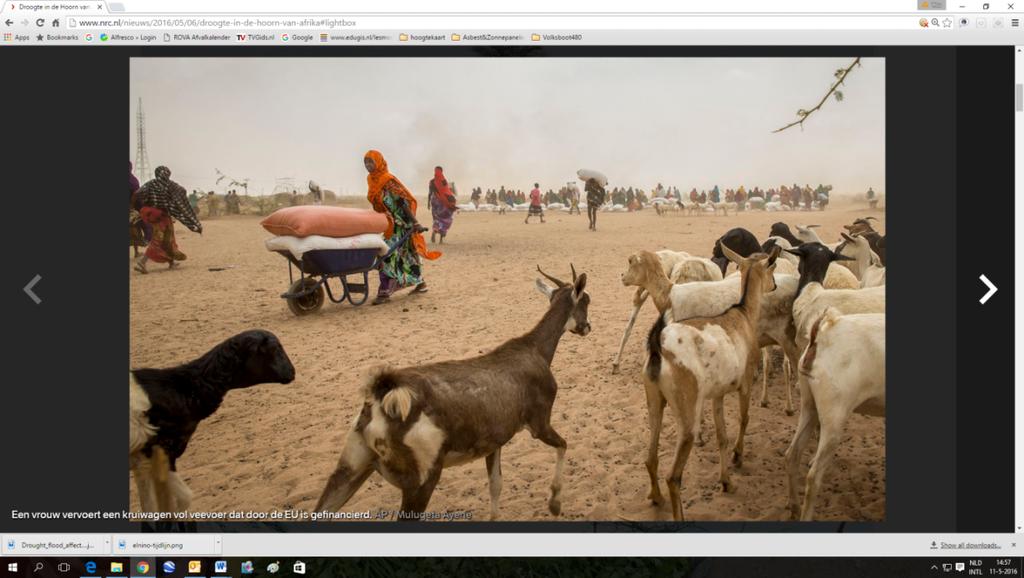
point(740, 241)
point(168, 404)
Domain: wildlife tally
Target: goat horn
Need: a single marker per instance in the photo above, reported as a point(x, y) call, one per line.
point(573, 272)
point(557, 282)
point(870, 218)
point(731, 255)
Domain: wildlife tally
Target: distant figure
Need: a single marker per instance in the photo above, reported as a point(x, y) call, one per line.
point(442, 205)
point(716, 196)
point(574, 199)
point(872, 201)
point(474, 198)
point(232, 203)
point(193, 200)
point(163, 200)
point(212, 204)
point(536, 208)
point(316, 192)
point(822, 195)
point(595, 198)
point(387, 195)
point(139, 231)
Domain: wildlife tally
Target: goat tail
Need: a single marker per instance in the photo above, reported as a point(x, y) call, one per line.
point(397, 403)
point(654, 349)
point(827, 319)
point(395, 398)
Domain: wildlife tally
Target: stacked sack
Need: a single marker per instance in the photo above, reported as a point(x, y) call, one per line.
point(308, 228)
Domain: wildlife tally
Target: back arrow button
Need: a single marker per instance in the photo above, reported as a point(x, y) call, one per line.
point(28, 289)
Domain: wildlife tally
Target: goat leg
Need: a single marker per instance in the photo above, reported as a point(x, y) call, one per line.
point(141, 467)
point(791, 360)
point(415, 499)
point(829, 436)
point(675, 478)
point(494, 479)
point(546, 434)
point(804, 429)
point(655, 413)
point(723, 445)
point(737, 456)
point(766, 359)
point(355, 465)
point(638, 301)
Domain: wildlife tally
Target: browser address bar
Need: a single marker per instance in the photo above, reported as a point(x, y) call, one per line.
point(447, 22)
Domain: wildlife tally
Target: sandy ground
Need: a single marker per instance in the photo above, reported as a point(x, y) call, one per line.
point(271, 447)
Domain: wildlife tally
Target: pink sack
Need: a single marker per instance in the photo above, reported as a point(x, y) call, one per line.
point(306, 220)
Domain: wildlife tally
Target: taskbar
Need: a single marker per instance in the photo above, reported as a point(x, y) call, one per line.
point(232, 567)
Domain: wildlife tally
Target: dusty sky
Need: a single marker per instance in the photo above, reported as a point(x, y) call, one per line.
point(492, 121)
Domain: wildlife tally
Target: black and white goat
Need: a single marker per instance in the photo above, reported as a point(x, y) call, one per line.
point(863, 228)
point(166, 406)
point(416, 421)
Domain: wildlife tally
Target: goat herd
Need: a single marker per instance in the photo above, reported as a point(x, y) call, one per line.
point(822, 304)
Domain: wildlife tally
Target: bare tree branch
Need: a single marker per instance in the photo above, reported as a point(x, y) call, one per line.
point(805, 114)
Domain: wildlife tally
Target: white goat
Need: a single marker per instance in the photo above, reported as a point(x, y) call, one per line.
point(869, 268)
point(842, 372)
point(680, 267)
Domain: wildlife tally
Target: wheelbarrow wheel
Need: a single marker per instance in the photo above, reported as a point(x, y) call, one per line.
point(306, 304)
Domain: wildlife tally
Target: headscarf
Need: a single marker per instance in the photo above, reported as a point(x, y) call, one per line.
point(168, 196)
point(376, 181)
point(445, 193)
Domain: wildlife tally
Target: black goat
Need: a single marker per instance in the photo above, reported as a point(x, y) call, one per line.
point(167, 405)
point(781, 229)
point(740, 241)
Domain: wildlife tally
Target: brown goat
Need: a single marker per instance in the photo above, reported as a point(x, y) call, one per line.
point(705, 358)
point(416, 421)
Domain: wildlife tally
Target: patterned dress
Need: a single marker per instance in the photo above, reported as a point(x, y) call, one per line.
point(402, 268)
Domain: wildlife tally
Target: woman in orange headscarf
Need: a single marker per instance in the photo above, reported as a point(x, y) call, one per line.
point(402, 268)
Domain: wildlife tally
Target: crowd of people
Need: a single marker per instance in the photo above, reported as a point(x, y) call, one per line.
point(635, 199)
point(155, 205)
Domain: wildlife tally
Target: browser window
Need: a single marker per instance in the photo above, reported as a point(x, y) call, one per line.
point(511, 282)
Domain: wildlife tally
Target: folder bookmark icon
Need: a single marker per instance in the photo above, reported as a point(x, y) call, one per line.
point(535, 38)
point(403, 37)
point(456, 37)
